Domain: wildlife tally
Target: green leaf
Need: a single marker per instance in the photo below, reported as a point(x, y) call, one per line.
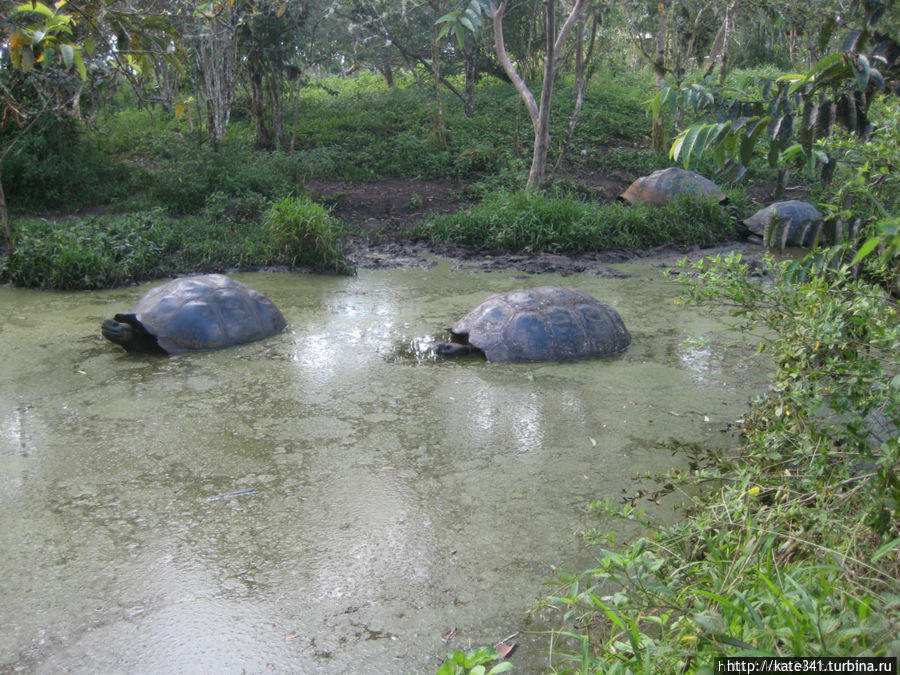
point(862, 73)
point(448, 18)
point(37, 7)
point(503, 667)
point(79, 65)
point(675, 150)
point(825, 33)
point(865, 250)
point(792, 152)
point(68, 54)
point(26, 59)
point(697, 143)
point(886, 548)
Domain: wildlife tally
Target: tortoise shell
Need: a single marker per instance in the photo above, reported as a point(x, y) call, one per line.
point(203, 312)
point(788, 223)
point(547, 323)
point(661, 186)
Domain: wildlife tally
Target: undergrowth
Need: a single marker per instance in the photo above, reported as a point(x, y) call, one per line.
point(113, 250)
point(798, 552)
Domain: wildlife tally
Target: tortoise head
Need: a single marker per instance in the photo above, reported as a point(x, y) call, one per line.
point(129, 333)
point(454, 349)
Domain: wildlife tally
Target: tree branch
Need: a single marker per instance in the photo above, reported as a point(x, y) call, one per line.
point(508, 67)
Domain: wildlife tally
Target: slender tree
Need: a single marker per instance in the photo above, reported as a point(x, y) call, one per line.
point(467, 16)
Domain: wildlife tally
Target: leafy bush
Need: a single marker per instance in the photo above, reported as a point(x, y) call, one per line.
point(302, 232)
point(531, 222)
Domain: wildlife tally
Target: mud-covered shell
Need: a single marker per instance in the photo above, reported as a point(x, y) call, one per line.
point(788, 223)
point(547, 323)
point(206, 312)
point(661, 186)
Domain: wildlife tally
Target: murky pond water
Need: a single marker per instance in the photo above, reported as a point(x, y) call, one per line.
point(323, 501)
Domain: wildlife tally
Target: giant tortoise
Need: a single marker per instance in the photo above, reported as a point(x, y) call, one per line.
point(663, 185)
point(193, 313)
point(788, 223)
point(547, 323)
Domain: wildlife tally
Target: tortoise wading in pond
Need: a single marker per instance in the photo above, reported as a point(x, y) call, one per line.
point(547, 323)
point(788, 223)
point(209, 311)
point(661, 186)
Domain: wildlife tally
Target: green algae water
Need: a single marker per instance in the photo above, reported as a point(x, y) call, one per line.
point(332, 499)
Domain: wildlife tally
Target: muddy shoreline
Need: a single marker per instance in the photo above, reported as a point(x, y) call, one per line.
point(390, 255)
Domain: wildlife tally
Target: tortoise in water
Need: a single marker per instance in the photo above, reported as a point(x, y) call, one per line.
point(192, 313)
point(547, 323)
point(661, 186)
point(789, 223)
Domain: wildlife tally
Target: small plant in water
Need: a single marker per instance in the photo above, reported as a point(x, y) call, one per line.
point(474, 662)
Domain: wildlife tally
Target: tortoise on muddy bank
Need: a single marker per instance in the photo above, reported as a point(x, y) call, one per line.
point(788, 223)
point(661, 186)
point(195, 313)
point(548, 323)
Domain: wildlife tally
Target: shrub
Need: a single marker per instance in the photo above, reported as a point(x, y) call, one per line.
point(86, 253)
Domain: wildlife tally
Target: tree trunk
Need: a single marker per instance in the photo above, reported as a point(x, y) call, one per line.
point(658, 130)
point(4, 218)
point(440, 128)
point(388, 74)
point(542, 124)
point(257, 104)
point(215, 56)
point(540, 113)
point(580, 85)
point(274, 84)
point(470, 54)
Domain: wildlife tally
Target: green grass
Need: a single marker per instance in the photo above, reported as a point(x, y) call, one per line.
point(531, 222)
point(113, 250)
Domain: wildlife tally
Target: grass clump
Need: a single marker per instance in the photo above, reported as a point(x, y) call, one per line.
point(302, 232)
point(532, 222)
point(797, 553)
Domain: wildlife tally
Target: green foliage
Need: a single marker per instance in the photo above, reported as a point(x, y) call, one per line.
point(44, 35)
point(113, 250)
point(532, 222)
point(789, 117)
point(797, 551)
point(56, 167)
point(473, 662)
point(83, 254)
point(302, 232)
point(469, 15)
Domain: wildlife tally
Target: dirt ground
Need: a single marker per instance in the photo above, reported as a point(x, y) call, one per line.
point(382, 208)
